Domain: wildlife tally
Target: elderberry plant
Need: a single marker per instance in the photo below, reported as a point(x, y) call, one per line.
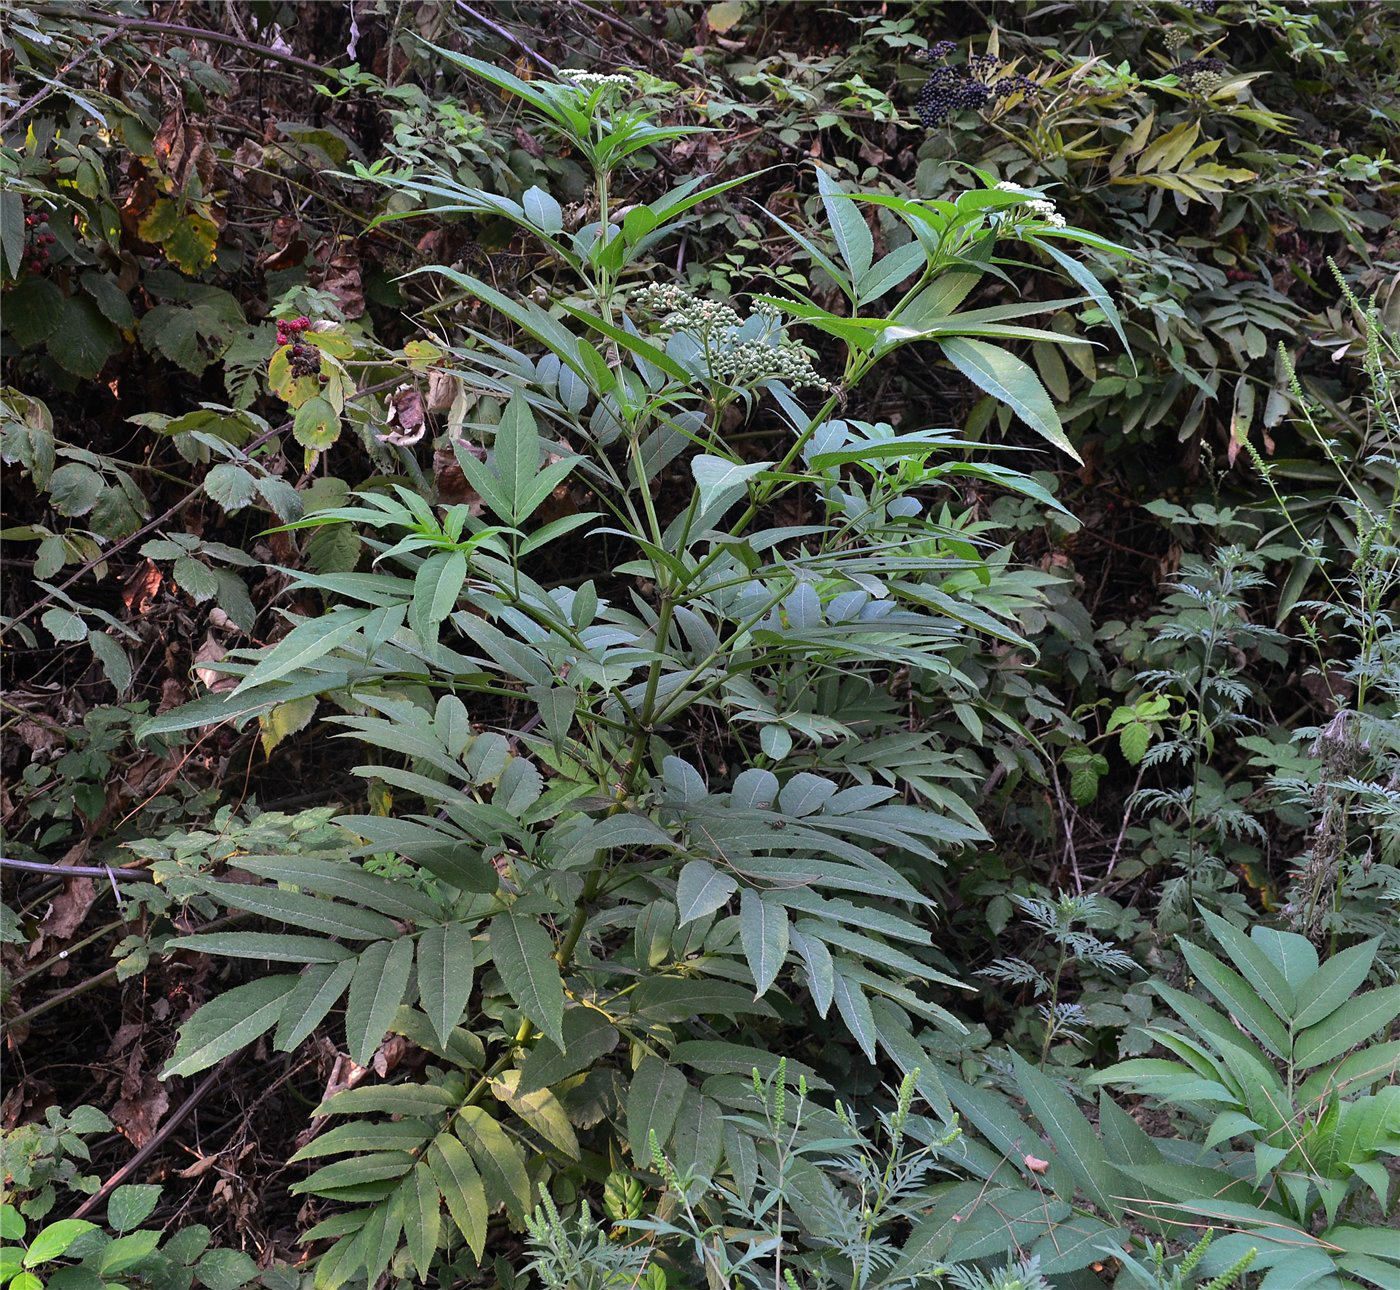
point(982, 82)
point(628, 827)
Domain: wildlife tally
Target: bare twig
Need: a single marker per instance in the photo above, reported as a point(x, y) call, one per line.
point(40, 95)
point(507, 36)
point(185, 32)
point(157, 1140)
point(74, 870)
point(1127, 815)
point(58, 1000)
point(1068, 815)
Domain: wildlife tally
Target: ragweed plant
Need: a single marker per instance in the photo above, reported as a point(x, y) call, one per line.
point(834, 1199)
point(1157, 1270)
point(1203, 639)
point(579, 1255)
point(1059, 922)
point(1347, 879)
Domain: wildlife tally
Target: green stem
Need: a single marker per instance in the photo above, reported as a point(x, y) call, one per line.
point(763, 491)
point(563, 956)
point(1054, 1002)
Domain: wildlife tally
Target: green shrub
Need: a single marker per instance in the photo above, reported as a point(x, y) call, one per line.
point(603, 904)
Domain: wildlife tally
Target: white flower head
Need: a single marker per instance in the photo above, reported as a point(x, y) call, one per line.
point(609, 82)
point(1045, 212)
point(1040, 209)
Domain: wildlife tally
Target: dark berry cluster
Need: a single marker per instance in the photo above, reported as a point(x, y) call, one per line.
point(305, 359)
point(1196, 65)
point(978, 85)
point(1201, 75)
point(1203, 6)
point(38, 239)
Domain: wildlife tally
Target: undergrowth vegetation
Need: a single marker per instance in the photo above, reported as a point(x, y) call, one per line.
point(700, 645)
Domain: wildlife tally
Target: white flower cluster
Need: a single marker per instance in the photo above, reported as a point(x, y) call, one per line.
point(1046, 212)
point(599, 80)
point(1037, 207)
point(733, 361)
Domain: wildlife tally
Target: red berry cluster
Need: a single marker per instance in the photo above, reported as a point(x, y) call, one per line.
point(288, 329)
point(305, 359)
point(39, 239)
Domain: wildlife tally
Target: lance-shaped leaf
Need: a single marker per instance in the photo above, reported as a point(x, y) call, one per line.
point(763, 930)
point(445, 964)
point(524, 955)
point(1007, 379)
point(702, 889)
point(717, 476)
point(228, 1023)
point(376, 990)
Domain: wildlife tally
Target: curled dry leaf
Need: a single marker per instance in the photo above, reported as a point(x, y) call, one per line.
point(528, 143)
point(388, 1055)
point(407, 420)
point(67, 910)
point(39, 739)
point(143, 1103)
point(172, 695)
point(142, 588)
point(442, 390)
point(286, 245)
point(452, 486)
point(184, 154)
point(212, 652)
point(247, 164)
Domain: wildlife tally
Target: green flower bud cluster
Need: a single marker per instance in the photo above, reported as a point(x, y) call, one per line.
point(682, 310)
point(735, 362)
point(754, 361)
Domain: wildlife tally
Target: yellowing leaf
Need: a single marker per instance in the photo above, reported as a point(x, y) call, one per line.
point(334, 342)
point(1170, 148)
point(421, 354)
point(190, 244)
point(159, 222)
point(540, 1109)
point(724, 15)
point(285, 720)
point(290, 388)
point(1133, 144)
point(316, 425)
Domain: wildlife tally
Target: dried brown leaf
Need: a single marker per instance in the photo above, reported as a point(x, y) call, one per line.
point(338, 271)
